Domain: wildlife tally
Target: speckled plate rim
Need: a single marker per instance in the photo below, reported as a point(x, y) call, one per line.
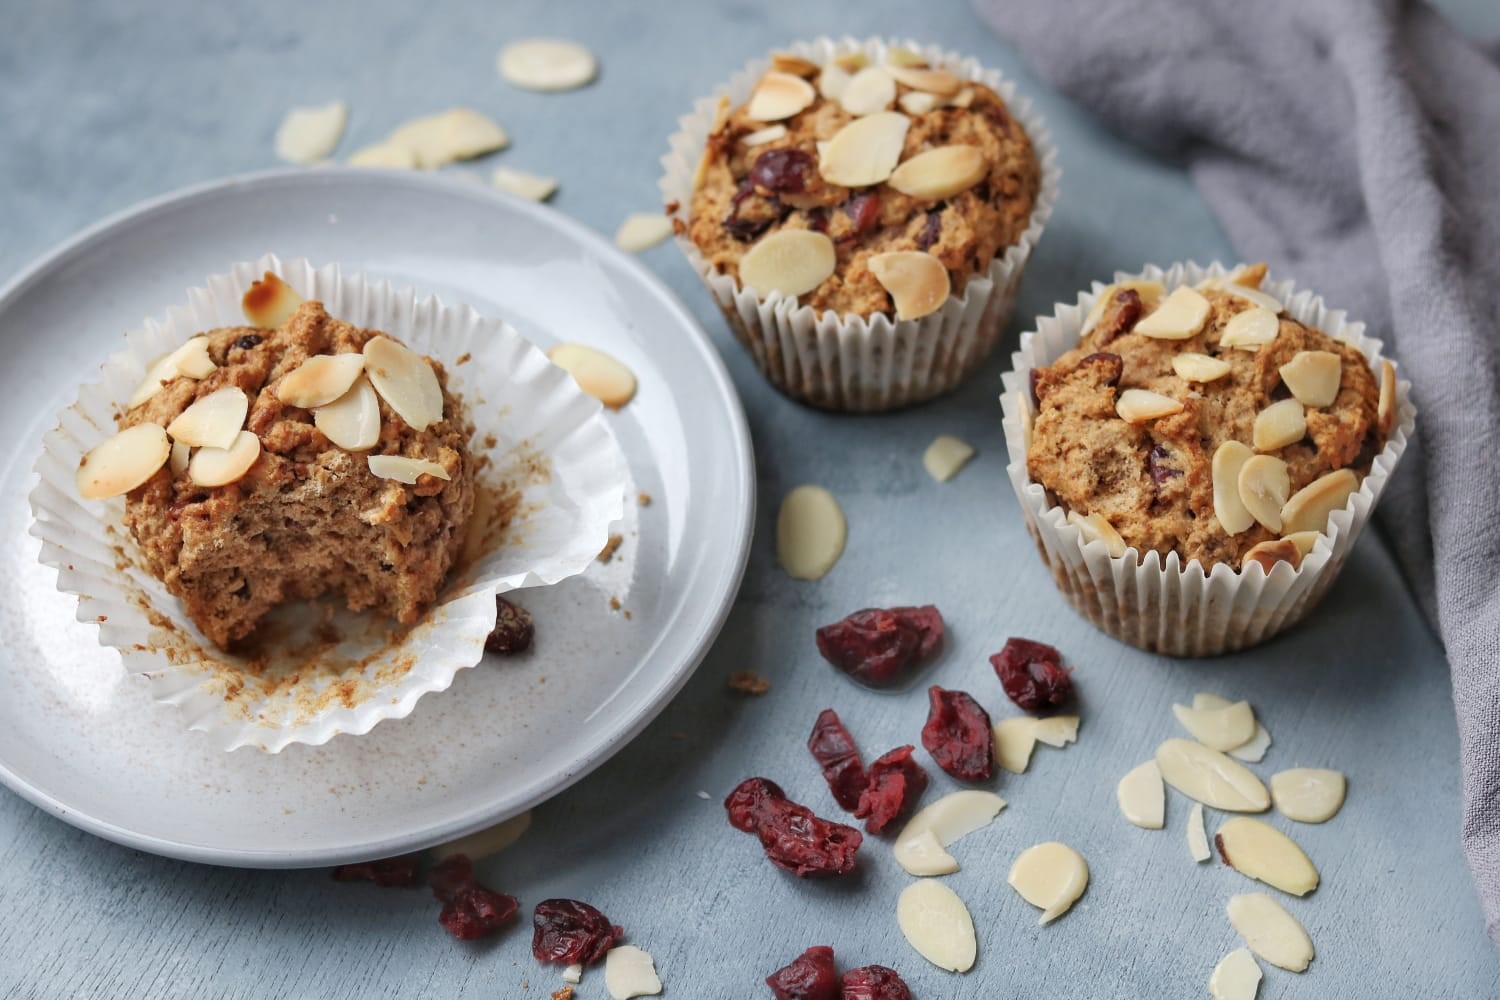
point(721, 592)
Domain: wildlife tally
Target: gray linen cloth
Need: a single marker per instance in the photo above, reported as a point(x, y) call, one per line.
point(1355, 146)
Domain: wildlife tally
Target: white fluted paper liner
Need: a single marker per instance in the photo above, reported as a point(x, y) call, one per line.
point(850, 362)
point(1161, 605)
point(550, 442)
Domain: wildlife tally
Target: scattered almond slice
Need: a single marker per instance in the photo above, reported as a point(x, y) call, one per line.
point(1278, 425)
point(762, 136)
point(352, 421)
point(535, 187)
point(456, 134)
point(1229, 459)
point(1197, 835)
point(1264, 485)
point(213, 421)
point(270, 302)
point(779, 96)
point(790, 261)
point(1236, 977)
point(1194, 367)
point(1210, 777)
point(1313, 377)
point(810, 532)
point(630, 972)
point(1057, 730)
point(1270, 931)
point(1386, 412)
point(1218, 728)
point(932, 81)
point(1151, 292)
point(211, 466)
point(573, 973)
point(865, 151)
point(917, 281)
point(385, 155)
point(786, 62)
point(1308, 794)
point(1251, 751)
point(833, 81)
point(940, 173)
point(937, 924)
point(405, 470)
point(945, 456)
point(547, 64)
point(643, 230)
point(1137, 406)
point(597, 373)
point(1015, 738)
point(191, 360)
point(405, 381)
point(320, 380)
point(178, 460)
point(1096, 528)
point(920, 846)
point(1260, 851)
point(1051, 876)
point(1267, 554)
point(486, 842)
point(308, 135)
point(868, 91)
point(1180, 316)
point(1251, 329)
point(123, 462)
point(1309, 507)
point(1142, 798)
point(916, 102)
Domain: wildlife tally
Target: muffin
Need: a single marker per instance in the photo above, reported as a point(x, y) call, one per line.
point(862, 215)
point(1189, 428)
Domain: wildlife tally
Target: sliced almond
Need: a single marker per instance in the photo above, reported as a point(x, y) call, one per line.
point(123, 462)
point(1015, 738)
point(191, 360)
point(937, 924)
point(833, 81)
point(1251, 751)
point(1229, 458)
point(320, 379)
point(1197, 835)
point(920, 844)
point(487, 842)
point(902, 56)
point(1057, 730)
point(353, 420)
point(810, 532)
point(1142, 797)
point(1251, 329)
point(786, 62)
point(762, 136)
point(1236, 284)
point(1137, 406)
point(865, 151)
point(1095, 528)
point(945, 456)
point(1236, 977)
point(1268, 554)
point(158, 374)
point(1304, 540)
point(851, 62)
point(1210, 777)
point(1270, 931)
point(1051, 876)
point(222, 466)
point(1279, 425)
point(405, 470)
point(790, 261)
point(962, 99)
point(1309, 507)
point(1386, 412)
point(642, 231)
point(1264, 485)
point(932, 81)
point(1194, 367)
point(1150, 292)
point(457, 134)
point(940, 173)
point(385, 155)
point(1218, 728)
point(178, 461)
point(1308, 794)
point(213, 421)
point(917, 281)
point(1260, 851)
point(779, 96)
point(599, 374)
point(405, 381)
point(870, 90)
point(547, 64)
point(1313, 377)
point(630, 972)
point(533, 187)
point(915, 102)
point(270, 302)
point(573, 973)
point(1180, 316)
point(308, 135)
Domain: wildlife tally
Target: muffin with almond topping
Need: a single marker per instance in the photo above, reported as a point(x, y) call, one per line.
point(863, 215)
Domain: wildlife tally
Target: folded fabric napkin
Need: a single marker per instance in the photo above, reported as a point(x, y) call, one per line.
point(1355, 146)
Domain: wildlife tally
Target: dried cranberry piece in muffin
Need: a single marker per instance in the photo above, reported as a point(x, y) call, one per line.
point(1120, 316)
point(567, 931)
point(958, 734)
point(1156, 464)
point(513, 629)
point(792, 837)
point(1032, 674)
point(874, 982)
point(875, 645)
point(388, 873)
point(895, 783)
point(810, 976)
point(834, 750)
point(932, 231)
point(784, 171)
point(1111, 365)
point(863, 211)
point(740, 228)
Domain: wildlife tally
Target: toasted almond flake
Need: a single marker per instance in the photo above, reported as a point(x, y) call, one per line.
point(221, 466)
point(1243, 284)
point(1229, 459)
point(962, 99)
point(901, 56)
point(178, 460)
point(1210, 777)
point(405, 470)
point(158, 374)
point(810, 531)
point(920, 844)
point(644, 230)
point(870, 90)
point(1304, 540)
point(1179, 316)
point(547, 64)
point(1051, 876)
point(937, 924)
point(1195, 367)
point(1197, 835)
point(320, 379)
point(940, 173)
point(1313, 377)
point(1308, 794)
point(1251, 751)
point(790, 261)
point(915, 102)
point(1309, 507)
point(1279, 425)
point(932, 81)
point(191, 360)
point(573, 973)
point(405, 381)
point(762, 136)
point(1251, 329)
point(1095, 528)
point(1015, 738)
point(1150, 292)
point(1218, 728)
point(833, 81)
point(1136, 406)
point(1057, 730)
point(1236, 977)
point(1260, 851)
point(865, 151)
point(786, 62)
point(1142, 797)
point(310, 134)
point(487, 842)
point(945, 456)
point(779, 96)
point(630, 972)
point(599, 374)
point(535, 187)
point(270, 302)
point(353, 420)
point(1264, 485)
point(385, 155)
point(851, 62)
point(1267, 554)
point(456, 134)
point(1386, 412)
point(1270, 931)
point(917, 281)
point(123, 462)
point(213, 421)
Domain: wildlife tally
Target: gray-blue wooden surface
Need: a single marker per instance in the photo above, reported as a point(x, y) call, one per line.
point(105, 103)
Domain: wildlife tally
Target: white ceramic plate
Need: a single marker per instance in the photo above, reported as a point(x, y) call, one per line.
point(84, 741)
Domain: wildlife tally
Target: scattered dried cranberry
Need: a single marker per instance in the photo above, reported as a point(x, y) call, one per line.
point(958, 735)
point(388, 873)
point(874, 982)
point(470, 911)
point(1032, 674)
point(1155, 460)
point(895, 783)
point(568, 931)
point(875, 645)
point(785, 171)
point(450, 875)
point(792, 837)
point(834, 750)
point(747, 804)
point(1119, 316)
point(248, 341)
point(932, 231)
point(809, 977)
point(864, 211)
point(513, 629)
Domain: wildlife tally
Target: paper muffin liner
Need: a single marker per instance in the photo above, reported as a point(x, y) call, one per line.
point(850, 362)
point(552, 479)
point(1159, 604)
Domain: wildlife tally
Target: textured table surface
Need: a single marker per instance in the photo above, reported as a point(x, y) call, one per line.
point(102, 105)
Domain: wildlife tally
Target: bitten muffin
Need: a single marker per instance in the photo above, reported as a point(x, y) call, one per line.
point(1206, 422)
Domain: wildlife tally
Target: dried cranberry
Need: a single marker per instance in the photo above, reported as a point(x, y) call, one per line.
point(474, 912)
point(248, 341)
point(568, 931)
point(1032, 674)
point(928, 622)
point(810, 976)
point(746, 805)
point(874, 982)
point(817, 220)
point(513, 629)
point(1112, 365)
point(792, 837)
point(864, 211)
point(875, 645)
point(785, 171)
point(388, 873)
point(1120, 315)
point(834, 750)
point(932, 230)
point(895, 783)
point(958, 735)
point(1160, 472)
point(743, 229)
